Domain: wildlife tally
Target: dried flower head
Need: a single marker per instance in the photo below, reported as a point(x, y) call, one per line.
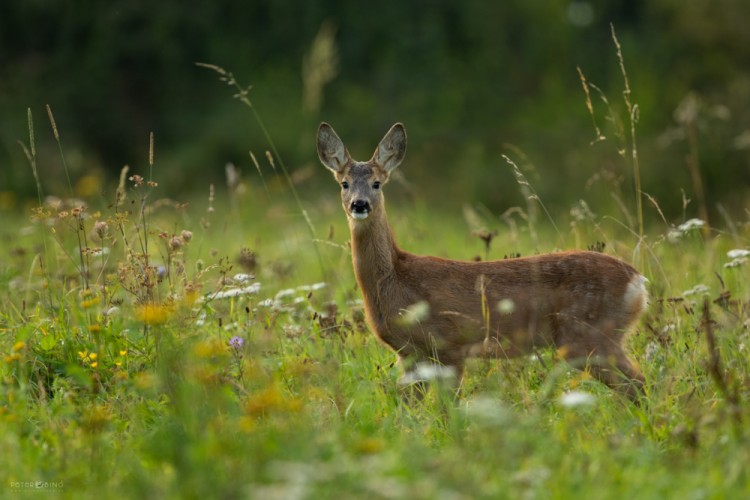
point(176, 243)
point(101, 228)
point(136, 179)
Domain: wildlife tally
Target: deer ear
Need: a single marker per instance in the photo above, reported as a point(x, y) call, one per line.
point(331, 150)
point(392, 148)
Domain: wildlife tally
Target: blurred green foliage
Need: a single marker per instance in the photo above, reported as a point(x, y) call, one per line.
point(471, 80)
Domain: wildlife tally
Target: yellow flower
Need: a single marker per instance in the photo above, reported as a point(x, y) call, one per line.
point(18, 346)
point(83, 354)
point(95, 328)
point(94, 364)
point(87, 304)
point(209, 348)
point(152, 314)
point(93, 356)
point(123, 353)
point(88, 185)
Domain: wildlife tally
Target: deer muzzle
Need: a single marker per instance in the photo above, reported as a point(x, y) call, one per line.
point(359, 209)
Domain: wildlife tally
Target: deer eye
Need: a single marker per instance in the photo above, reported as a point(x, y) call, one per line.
point(376, 185)
point(345, 185)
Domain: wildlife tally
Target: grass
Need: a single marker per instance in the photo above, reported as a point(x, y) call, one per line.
point(151, 348)
point(126, 378)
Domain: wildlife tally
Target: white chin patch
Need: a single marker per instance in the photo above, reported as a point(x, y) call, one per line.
point(360, 215)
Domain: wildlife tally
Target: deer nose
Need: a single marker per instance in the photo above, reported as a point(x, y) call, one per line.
point(360, 207)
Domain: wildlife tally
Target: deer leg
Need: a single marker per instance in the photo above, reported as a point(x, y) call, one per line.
point(600, 352)
point(616, 371)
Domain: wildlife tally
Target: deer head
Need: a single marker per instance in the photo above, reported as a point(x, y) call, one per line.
point(361, 182)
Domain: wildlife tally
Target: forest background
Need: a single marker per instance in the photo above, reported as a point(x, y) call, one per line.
point(472, 81)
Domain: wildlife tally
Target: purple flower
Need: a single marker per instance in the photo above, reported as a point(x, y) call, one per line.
point(237, 342)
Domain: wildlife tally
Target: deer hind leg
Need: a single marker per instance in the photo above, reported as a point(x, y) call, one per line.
point(599, 350)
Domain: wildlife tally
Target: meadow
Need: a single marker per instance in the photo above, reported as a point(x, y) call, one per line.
point(215, 347)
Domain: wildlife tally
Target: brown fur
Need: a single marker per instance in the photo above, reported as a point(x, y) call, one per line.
point(581, 302)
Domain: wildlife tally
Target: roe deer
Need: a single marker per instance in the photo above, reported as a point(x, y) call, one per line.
point(580, 302)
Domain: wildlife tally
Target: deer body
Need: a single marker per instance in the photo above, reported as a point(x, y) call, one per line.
point(581, 302)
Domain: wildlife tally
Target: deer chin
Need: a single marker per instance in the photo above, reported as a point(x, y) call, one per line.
point(359, 215)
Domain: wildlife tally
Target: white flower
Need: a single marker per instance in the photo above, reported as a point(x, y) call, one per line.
point(691, 224)
point(739, 256)
point(488, 411)
point(426, 372)
point(572, 399)
point(243, 278)
point(675, 234)
point(312, 288)
point(506, 306)
point(735, 262)
point(738, 253)
point(284, 293)
point(415, 313)
point(232, 292)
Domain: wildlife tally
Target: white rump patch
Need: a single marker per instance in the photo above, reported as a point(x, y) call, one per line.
point(636, 296)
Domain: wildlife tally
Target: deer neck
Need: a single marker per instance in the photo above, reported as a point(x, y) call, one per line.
point(374, 251)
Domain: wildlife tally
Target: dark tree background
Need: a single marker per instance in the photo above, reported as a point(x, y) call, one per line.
point(472, 81)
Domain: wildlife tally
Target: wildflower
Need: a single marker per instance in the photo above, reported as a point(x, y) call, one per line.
point(738, 253)
point(242, 277)
point(675, 234)
point(83, 354)
point(93, 356)
point(312, 288)
point(89, 303)
point(18, 346)
point(123, 353)
point(691, 224)
point(88, 185)
point(209, 349)
point(739, 256)
point(112, 310)
point(101, 228)
point(95, 328)
point(415, 313)
point(488, 411)
point(175, 243)
point(572, 399)
point(152, 314)
point(237, 342)
point(426, 372)
point(369, 445)
point(506, 306)
point(270, 400)
point(186, 235)
point(232, 292)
